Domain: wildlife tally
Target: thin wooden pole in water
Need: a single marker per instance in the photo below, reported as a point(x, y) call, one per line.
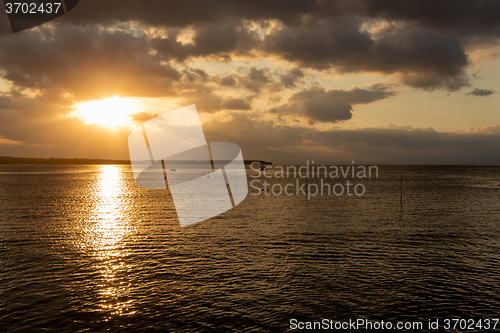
point(307, 185)
point(401, 198)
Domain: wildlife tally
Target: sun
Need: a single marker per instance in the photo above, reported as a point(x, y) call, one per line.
point(111, 112)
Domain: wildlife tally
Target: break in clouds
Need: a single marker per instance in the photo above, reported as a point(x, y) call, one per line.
point(276, 103)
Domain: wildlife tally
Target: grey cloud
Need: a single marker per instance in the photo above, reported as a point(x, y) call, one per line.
point(319, 105)
point(251, 132)
point(236, 104)
point(143, 116)
point(208, 100)
point(419, 146)
point(221, 38)
point(481, 92)
point(255, 80)
point(228, 81)
point(292, 77)
point(196, 74)
point(281, 143)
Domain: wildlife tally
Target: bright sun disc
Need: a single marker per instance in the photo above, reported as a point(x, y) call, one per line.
point(111, 112)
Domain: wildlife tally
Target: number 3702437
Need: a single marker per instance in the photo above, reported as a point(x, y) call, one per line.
point(32, 8)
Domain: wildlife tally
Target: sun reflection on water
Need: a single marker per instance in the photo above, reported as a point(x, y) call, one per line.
point(108, 225)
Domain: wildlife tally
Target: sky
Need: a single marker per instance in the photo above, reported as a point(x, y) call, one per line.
point(374, 81)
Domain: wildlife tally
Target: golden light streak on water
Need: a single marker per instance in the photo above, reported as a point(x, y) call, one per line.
point(108, 226)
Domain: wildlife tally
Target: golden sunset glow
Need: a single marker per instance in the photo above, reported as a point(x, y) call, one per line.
point(391, 86)
point(111, 112)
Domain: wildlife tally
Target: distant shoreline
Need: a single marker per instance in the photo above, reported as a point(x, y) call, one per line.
point(76, 161)
point(29, 160)
point(8, 160)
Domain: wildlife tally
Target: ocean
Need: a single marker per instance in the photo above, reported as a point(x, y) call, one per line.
point(83, 249)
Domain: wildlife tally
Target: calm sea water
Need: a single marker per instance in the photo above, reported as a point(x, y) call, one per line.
point(83, 249)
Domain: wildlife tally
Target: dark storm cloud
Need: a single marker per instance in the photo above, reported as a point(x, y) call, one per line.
point(417, 50)
point(481, 92)
point(316, 104)
point(423, 49)
point(219, 41)
point(86, 62)
point(420, 58)
point(184, 13)
point(464, 17)
point(461, 16)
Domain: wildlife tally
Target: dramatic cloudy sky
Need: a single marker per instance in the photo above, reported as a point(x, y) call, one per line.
point(375, 81)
